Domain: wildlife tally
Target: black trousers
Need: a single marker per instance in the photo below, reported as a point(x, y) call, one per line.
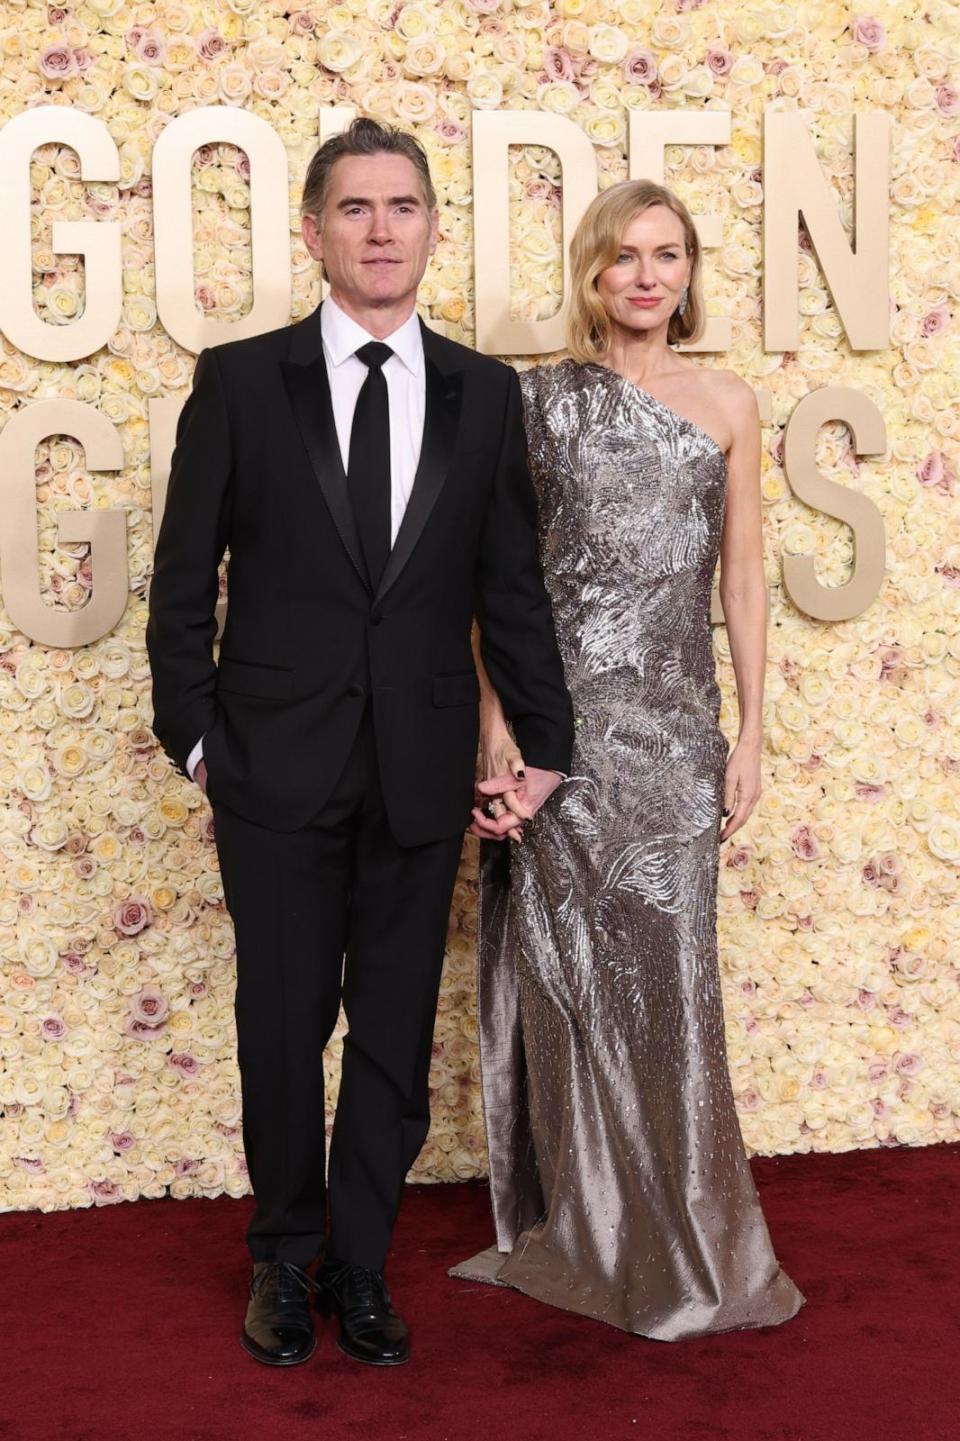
point(336, 909)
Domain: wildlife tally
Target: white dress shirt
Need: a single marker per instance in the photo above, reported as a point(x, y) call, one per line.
point(405, 375)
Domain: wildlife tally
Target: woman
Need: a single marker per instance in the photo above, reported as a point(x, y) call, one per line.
point(620, 1185)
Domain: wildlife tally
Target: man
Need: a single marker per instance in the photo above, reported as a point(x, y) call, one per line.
point(369, 479)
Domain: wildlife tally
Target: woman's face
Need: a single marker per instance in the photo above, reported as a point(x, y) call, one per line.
point(642, 288)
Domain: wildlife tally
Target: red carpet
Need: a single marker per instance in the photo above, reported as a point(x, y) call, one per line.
point(121, 1324)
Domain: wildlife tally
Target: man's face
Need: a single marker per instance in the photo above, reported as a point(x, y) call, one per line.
point(376, 233)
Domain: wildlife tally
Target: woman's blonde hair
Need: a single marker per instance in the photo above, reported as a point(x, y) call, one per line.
point(596, 245)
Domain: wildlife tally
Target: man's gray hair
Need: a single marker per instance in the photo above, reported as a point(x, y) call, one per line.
point(362, 137)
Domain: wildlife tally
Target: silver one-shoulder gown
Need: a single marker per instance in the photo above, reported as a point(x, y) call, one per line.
point(619, 1181)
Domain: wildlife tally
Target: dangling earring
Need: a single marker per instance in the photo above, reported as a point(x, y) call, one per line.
point(684, 296)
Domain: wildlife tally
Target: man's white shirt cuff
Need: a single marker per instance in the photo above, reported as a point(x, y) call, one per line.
point(195, 757)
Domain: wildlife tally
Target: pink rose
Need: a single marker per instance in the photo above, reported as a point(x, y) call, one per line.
point(104, 1193)
point(869, 875)
point(210, 44)
point(719, 61)
point(301, 22)
point(122, 1141)
point(56, 15)
point(57, 62)
point(132, 916)
point(891, 659)
point(684, 5)
point(85, 59)
point(869, 33)
point(197, 989)
point(484, 7)
point(138, 1030)
point(804, 843)
point(740, 858)
point(186, 1167)
point(931, 471)
point(150, 48)
point(73, 963)
point(950, 575)
point(935, 321)
point(866, 1001)
point(749, 1100)
point(558, 63)
point(204, 297)
point(640, 67)
point(866, 792)
point(53, 1028)
point(948, 100)
point(749, 899)
point(909, 1063)
point(182, 1061)
point(450, 131)
point(150, 1007)
point(30, 1164)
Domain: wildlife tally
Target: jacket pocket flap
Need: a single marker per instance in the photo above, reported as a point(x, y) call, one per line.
point(460, 689)
point(246, 678)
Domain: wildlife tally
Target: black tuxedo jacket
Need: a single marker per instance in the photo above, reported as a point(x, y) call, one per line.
point(307, 644)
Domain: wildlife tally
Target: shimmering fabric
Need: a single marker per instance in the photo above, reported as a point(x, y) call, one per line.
point(620, 1185)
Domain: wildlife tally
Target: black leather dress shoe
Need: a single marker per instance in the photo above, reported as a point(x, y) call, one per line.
point(370, 1329)
point(278, 1329)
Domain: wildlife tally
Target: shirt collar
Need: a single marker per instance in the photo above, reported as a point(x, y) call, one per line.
point(343, 337)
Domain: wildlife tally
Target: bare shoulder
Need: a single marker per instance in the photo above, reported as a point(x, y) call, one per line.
point(731, 391)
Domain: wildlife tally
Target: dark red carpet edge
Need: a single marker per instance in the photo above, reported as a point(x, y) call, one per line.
point(121, 1324)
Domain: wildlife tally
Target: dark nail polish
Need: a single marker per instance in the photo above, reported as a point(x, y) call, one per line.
point(521, 775)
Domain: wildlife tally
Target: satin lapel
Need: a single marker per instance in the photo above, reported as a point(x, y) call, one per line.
point(441, 420)
point(309, 392)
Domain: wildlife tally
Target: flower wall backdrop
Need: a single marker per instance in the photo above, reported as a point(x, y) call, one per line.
point(839, 913)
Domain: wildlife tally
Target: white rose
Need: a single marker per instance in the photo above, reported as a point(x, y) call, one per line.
point(943, 838)
point(141, 82)
point(607, 44)
point(337, 51)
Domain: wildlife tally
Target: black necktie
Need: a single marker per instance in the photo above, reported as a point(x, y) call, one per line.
point(368, 467)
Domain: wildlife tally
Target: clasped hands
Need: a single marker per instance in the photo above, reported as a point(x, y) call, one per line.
point(510, 794)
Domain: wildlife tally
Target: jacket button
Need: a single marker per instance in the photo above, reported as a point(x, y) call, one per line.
point(356, 690)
